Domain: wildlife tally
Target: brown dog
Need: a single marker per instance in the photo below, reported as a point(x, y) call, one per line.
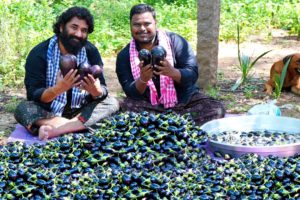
point(292, 78)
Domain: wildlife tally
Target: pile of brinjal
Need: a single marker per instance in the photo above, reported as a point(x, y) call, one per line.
point(141, 156)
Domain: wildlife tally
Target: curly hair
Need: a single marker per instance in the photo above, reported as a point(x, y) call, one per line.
point(140, 9)
point(66, 16)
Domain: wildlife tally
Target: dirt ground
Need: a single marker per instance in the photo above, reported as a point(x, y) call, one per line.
point(237, 102)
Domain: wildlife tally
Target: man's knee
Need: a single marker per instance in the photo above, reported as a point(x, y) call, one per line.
point(112, 104)
point(23, 110)
point(28, 112)
point(103, 109)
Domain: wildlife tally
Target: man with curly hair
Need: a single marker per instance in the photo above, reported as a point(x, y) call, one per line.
point(58, 104)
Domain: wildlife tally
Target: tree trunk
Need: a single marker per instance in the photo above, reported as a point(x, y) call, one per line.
point(208, 41)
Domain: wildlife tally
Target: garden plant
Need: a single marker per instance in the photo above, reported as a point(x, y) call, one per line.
point(245, 63)
point(279, 80)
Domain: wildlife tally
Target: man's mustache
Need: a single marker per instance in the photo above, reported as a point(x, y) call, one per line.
point(77, 38)
point(142, 33)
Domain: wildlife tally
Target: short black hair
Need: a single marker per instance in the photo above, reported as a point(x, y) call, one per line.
point(66, 16)
point(142, 8)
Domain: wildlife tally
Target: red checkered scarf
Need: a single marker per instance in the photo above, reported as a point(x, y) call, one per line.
point(168, 93)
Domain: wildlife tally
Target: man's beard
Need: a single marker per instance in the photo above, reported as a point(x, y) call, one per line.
point(71, 43)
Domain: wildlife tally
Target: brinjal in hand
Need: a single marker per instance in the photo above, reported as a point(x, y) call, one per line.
point(66, 63)
point(96, 71)
point(158, 54)
point(83, 70)
point(145, 55)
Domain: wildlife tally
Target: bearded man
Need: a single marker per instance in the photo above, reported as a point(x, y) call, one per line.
point(58, 104)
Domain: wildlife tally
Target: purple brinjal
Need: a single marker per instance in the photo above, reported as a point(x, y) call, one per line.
point(158, 54)
point(83, 70)
point(96, 71)
point(66, 63)
point(145, 55)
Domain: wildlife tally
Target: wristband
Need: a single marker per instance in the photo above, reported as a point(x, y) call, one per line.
point(99, 96)
point(142, 80)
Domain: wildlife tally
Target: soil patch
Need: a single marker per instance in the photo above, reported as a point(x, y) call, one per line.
point(252, 93)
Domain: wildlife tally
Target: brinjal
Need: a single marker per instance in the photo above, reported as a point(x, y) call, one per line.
point(2, 184)
point(126, 179)
point(158, 54)
point(12, 175)
point(83, 70)
point(66, 63)
point(144, 121)
point(96, 71)
point(145, 55)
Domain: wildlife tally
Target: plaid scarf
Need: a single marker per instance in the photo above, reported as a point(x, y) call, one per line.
point(168, 93)
point(78, 96)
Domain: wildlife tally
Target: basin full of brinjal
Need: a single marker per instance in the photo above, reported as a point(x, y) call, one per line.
point(260, 134)
point(141, 156)
point(257, 138)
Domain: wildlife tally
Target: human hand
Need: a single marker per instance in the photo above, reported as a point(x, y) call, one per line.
point(146, 72)
point(165, 68)
point(92, 85)
point(67, 82)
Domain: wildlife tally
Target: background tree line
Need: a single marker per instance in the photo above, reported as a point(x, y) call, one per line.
point(25, 23)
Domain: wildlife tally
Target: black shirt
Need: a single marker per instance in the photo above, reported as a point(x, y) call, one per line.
point(184, 60)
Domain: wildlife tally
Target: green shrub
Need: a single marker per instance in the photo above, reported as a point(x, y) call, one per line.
point(259, 16)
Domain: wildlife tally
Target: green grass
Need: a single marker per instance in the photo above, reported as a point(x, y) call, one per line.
point(4, 135)
point(213, 92)
point(11, 105)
